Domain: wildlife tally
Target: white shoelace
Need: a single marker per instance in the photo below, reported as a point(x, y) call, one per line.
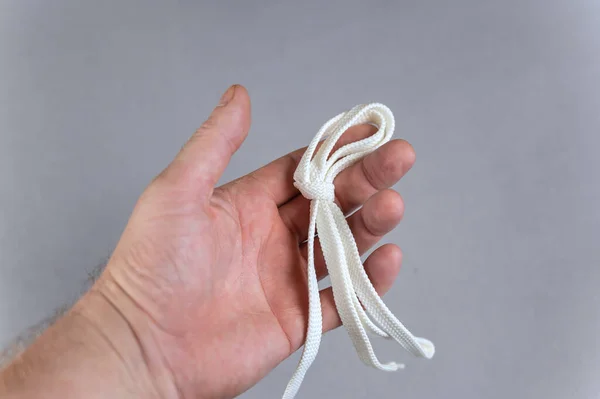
point(359, 306)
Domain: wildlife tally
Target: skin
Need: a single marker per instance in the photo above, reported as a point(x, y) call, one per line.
point(206, 290)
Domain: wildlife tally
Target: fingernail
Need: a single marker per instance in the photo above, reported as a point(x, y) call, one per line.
point(227, 96)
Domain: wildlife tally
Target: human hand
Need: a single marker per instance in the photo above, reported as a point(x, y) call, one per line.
point(211, 281)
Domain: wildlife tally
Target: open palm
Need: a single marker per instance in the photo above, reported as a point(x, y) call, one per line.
point(213, 280)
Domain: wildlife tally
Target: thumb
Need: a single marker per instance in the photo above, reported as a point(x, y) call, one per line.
point(202, 160)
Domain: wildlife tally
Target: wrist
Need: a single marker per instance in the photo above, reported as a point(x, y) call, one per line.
point(93, 351)
point(138, 342)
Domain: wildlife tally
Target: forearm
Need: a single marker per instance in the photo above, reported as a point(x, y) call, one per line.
point(90, 352)
point(27, 337)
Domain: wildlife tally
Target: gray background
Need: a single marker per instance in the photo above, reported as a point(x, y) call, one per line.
point(501, 101)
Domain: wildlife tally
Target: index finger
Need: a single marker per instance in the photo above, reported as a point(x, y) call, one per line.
point(277, 177)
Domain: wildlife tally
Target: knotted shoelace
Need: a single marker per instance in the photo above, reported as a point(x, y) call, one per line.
point(358, 304)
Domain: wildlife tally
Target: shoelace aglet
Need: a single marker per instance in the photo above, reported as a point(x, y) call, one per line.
point(399, 366)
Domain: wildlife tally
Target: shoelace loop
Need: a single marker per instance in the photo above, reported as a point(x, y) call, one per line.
point(360, 308)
